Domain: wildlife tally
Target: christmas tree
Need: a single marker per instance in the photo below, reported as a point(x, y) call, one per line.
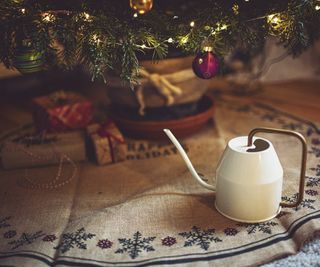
point(114, 35)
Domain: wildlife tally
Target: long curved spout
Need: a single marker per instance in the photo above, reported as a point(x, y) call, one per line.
point(187, 160)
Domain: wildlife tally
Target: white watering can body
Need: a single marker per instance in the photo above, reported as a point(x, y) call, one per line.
point(249, 177)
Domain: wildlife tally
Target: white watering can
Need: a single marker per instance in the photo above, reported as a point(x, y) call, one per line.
point(249, 177)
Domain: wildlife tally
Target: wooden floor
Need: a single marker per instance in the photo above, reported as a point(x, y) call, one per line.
point(301, 98)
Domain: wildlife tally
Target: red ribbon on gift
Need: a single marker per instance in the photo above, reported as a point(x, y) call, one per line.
point(104, 131)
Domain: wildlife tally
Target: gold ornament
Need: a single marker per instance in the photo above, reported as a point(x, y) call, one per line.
point(235, 9)
point(278, 23)
point(141, 6)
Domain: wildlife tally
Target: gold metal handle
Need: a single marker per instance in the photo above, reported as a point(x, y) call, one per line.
point(303, 158)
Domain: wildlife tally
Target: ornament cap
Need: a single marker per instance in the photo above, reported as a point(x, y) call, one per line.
point(207, 48)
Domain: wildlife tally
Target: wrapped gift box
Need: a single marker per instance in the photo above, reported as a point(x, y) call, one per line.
point(108, 143)
point(39, 150)
point(62, 111)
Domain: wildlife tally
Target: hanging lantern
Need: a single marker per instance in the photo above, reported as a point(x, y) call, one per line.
point(206, 64)
point(141, 6)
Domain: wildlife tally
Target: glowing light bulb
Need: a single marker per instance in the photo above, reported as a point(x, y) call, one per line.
point(96, 39)
point(87, 17)
point(47, 17)
point(192, 24)
point(317, 7)
point(143, 46)
point(170, 40)
point(184, 39)
point(224, 27)
point(135, 15)
point(23, 10)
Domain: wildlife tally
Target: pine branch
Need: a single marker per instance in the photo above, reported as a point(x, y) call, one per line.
point(106, 36)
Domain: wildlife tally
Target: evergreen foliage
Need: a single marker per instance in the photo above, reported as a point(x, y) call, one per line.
point(107, 36)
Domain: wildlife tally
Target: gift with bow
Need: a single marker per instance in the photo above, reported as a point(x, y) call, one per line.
point(108, 142)
point(62, 111)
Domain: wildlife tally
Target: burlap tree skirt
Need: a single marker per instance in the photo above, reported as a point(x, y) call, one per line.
point(149, 211)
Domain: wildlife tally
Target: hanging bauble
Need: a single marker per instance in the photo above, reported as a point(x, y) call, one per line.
point(28, 60)
point(205, 65)
point(277, 23)
point(141, 6)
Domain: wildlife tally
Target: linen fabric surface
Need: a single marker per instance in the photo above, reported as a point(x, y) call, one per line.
point(149, 210)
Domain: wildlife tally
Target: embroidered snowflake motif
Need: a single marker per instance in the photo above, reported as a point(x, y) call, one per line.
point(10, 234)
point(316, 169)
point(25, 239)
point(313, 181)
point(104, 243)
point(315, 141)
point(169, 241)
point(306, 203)
point(292, 126)
point(281, 214)
point(135, 245)
point(269, 117)
point(315, 151)
point(198, 237)
point(230, 231)
point(311, 192)
point(309, 131)
point(4, 222)
point(281, 121)
point(70, 240)
point(245, 109)
point(252, 228)
point(49, 238)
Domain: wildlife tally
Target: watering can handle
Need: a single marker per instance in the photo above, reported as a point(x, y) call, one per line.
point(303, 158)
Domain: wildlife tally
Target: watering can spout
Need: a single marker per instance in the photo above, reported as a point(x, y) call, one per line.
point(187, 160)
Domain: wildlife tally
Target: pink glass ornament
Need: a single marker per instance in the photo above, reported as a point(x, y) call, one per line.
point(205, 65)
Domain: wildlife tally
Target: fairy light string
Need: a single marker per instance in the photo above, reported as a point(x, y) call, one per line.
point(89, 24)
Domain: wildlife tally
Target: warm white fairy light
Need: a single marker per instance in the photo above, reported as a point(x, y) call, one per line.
point(143, 46)
point(273, 19)
point(23, 10)
point(223, 27)
point(96, 39)
point(184, 39)
point(47, 17)
point(86, 16)
point(192, 23)
point(135, 15)
point(170, 40)
point(175, 17)
point(317, 7)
